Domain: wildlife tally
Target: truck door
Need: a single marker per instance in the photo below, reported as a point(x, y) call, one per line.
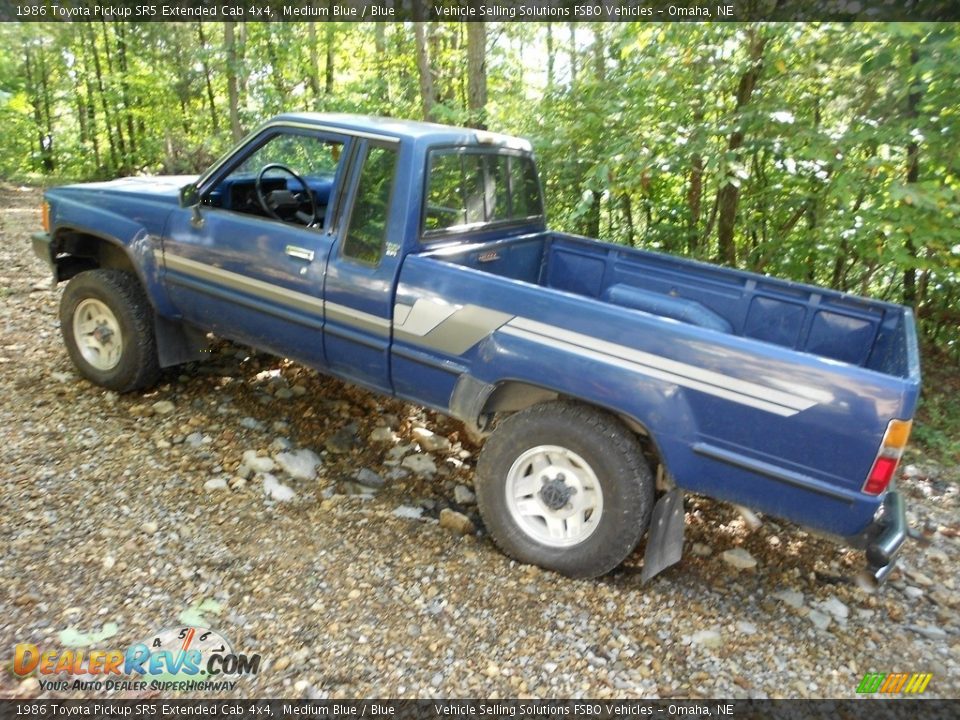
point(248, 262)
point(361, 273)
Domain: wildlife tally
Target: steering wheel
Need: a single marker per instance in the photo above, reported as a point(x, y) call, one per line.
point(286, 205)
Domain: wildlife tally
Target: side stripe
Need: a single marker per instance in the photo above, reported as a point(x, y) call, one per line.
point(717, 384)
point(277, 294)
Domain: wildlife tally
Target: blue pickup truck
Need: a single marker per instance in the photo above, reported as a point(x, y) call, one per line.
point(415, 260)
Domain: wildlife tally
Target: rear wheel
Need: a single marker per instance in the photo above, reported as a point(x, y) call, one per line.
point(107, 326)
point(565, 486)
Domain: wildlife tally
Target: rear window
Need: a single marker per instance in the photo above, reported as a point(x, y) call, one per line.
point(468, 189)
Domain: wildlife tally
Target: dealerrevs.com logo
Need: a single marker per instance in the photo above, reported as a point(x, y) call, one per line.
point(892, 683)
point(178, 659)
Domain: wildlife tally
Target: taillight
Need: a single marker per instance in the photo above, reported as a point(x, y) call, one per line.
point(45, 215)
point(888, 457)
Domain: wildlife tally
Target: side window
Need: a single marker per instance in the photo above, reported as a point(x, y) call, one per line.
point(445, 206)
point(367, 233)
point(526, 189)
point(282, 196)
point(472, 188)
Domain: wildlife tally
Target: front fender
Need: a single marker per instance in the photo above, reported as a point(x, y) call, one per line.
point(126, 235)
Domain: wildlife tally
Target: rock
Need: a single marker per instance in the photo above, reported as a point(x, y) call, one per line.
point(707, 638)
point(382, 434)
point(280, 444)
point(237, 482)
point(819, 619)
point(458, 522)
point(929, 631)
point(281, 664)
point(793, 598)
point(194, 439)
point(251, 424)
point(437, 680)
point(746, 628)
point(937, 555)
point(914, 593)
point(257, 463)
point(61, 377)
point(739, 558)
point(150, 527)
point(369, 478)
point(163, 407)
point(215, 484)
point(353, 488)
point(420, 464)
point(276, 490)
point(342, 441)
point(411, 513)
point(550, 667)
point(109, 562)
point(835, 607)
point(463, 495)
point(701, 550)
point(283, 394)
point(429, 441)
point(299, 464)
point(919, 578)
point(299, 390)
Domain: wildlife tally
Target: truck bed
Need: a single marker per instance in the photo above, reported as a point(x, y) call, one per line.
point(849, 329)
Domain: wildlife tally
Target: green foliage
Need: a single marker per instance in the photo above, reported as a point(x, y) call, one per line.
point(830, 148)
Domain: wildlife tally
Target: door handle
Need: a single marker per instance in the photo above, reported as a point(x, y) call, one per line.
point(299, 252)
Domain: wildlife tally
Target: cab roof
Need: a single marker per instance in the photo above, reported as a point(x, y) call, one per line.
point(411, 130)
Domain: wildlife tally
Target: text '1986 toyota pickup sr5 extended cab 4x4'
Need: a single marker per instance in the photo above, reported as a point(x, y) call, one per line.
point(414, 259)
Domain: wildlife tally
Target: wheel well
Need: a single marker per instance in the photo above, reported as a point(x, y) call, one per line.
point(76, 252)
point(513, 396)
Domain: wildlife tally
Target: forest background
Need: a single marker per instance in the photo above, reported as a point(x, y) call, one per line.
point(825, 153)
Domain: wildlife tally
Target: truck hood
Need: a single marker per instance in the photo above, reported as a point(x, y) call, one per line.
point(163, 188)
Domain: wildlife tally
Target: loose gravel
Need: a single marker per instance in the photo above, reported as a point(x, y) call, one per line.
point(335, 532)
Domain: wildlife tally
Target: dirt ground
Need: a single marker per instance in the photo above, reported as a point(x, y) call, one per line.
point(123, 516)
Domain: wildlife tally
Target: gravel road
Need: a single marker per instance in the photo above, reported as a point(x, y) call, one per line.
point(301, 518)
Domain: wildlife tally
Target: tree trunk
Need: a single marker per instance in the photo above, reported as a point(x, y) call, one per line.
point(573, 51)
point(117, 123)
point(313, 63)
point(477, 74)
point(43, 135)
point(599, 53)
point(380, 45)
point(125, 87)
point(728, 197)
point(98, 70)
point(206, 74)
point(913, 176)
point(428, 93)
point(550, 57)
point(233, 94)
point(91, 109)
point(328, 73)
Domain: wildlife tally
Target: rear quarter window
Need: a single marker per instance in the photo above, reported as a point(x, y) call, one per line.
point(468, 189)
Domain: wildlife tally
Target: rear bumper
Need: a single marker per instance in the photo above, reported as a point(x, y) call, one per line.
point(886, 535)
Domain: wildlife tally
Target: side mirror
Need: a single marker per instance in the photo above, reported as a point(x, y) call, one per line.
point(189, 195)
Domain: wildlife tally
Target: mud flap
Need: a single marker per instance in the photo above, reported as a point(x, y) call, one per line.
point(665, 539)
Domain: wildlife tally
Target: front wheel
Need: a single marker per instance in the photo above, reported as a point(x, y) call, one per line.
point(107, 326)
point(565, 486)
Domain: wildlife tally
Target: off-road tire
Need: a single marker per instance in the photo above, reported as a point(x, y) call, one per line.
point(615, 457)
point(122, 293)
